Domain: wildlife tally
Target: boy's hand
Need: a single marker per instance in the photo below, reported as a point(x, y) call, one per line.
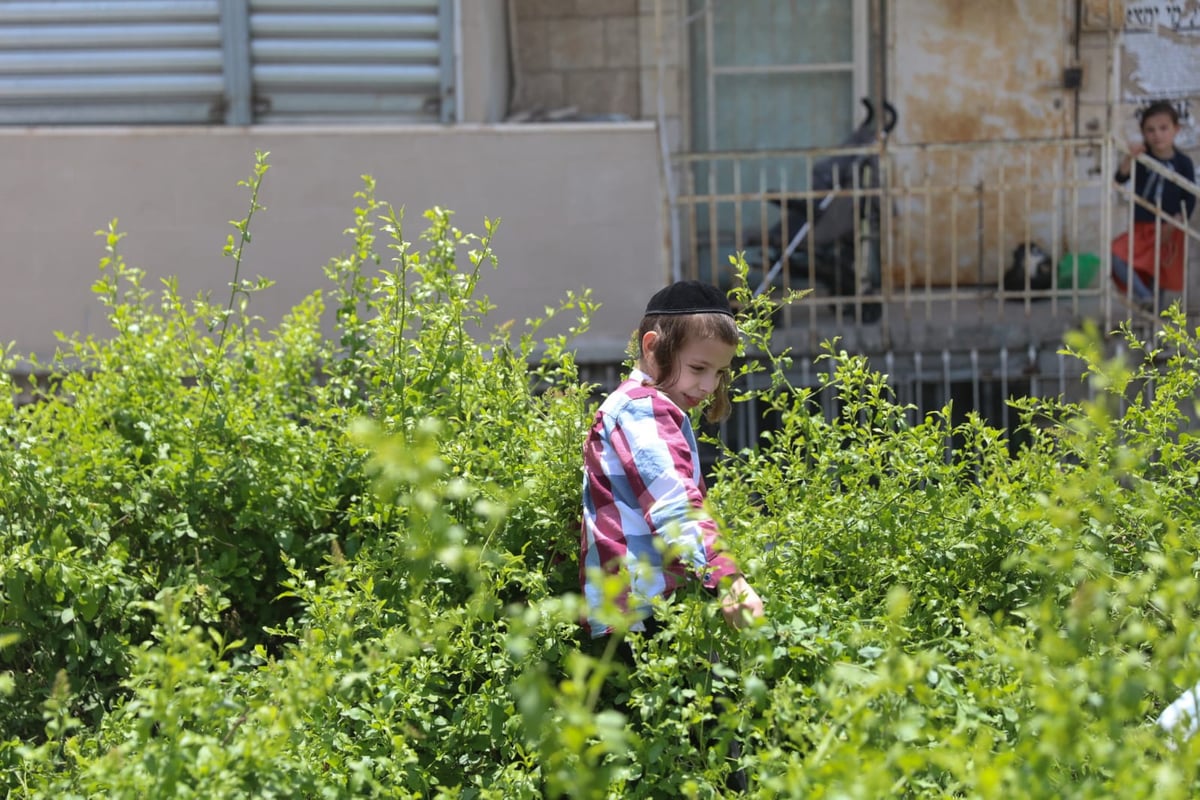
point(741, 603)
point(1135, 150)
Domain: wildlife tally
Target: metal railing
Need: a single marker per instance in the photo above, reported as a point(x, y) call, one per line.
point(904, 245)
point(922, 381)
point(926, 382)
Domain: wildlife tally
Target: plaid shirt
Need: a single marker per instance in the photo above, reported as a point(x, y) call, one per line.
point(642, 483)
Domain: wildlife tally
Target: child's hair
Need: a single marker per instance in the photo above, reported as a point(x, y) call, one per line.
point(1156, 108)
point(674, 331)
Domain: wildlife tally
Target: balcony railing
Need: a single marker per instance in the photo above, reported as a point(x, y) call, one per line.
point(975, 244)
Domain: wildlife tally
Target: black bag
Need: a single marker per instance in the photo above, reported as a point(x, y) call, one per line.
point(1029, 259)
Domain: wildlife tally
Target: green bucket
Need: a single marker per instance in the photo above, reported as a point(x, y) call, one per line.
point(1087, 264)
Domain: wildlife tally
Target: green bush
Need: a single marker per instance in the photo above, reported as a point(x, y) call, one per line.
point(239, 562)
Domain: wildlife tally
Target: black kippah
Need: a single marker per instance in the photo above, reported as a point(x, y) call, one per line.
point(689, 297)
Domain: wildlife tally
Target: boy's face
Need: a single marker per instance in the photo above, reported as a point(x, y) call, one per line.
point(1158, 131)
point(701, 363)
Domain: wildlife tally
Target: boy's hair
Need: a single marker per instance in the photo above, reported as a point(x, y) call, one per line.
point(1156, 108)
point(674, 331)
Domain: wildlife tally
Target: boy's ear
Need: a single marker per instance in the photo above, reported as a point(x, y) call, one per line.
point(649, 338)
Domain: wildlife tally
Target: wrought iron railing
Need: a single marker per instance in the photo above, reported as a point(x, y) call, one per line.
point(994, 244)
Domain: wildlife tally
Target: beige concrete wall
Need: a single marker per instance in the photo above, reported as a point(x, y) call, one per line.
point(581, 207)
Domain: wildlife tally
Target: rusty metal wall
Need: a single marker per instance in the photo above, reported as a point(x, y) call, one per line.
point(963, 71)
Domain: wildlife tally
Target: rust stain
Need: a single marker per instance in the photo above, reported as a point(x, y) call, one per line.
point(999, 61)
point(940, 121)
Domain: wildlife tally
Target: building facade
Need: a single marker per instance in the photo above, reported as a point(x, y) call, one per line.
point(893, 156)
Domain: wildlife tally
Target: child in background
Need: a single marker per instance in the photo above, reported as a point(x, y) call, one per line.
point(643, 488)
point(1147, 242)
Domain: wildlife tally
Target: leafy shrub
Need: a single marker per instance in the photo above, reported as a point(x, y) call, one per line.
point(238, 562)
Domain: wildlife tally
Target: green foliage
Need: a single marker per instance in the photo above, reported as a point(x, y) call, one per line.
point(238, 562)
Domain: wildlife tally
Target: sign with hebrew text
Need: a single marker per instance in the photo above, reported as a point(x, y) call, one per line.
point(1160, 59)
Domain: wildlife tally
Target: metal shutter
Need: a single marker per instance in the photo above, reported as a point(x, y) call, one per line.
point(100, 62)
point(354, 60)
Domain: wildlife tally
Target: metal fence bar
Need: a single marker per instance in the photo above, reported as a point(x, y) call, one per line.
point(810, 242)
point(1056, 224)
point(948, 395)
point(918, 377)
point(693, 220)
point(737, 207)
point(712, 221)
point(928, 241)
point(1001, 196)
point(906, 237)
point(954, 167)
point(1004, 387)
point(1027, 301)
